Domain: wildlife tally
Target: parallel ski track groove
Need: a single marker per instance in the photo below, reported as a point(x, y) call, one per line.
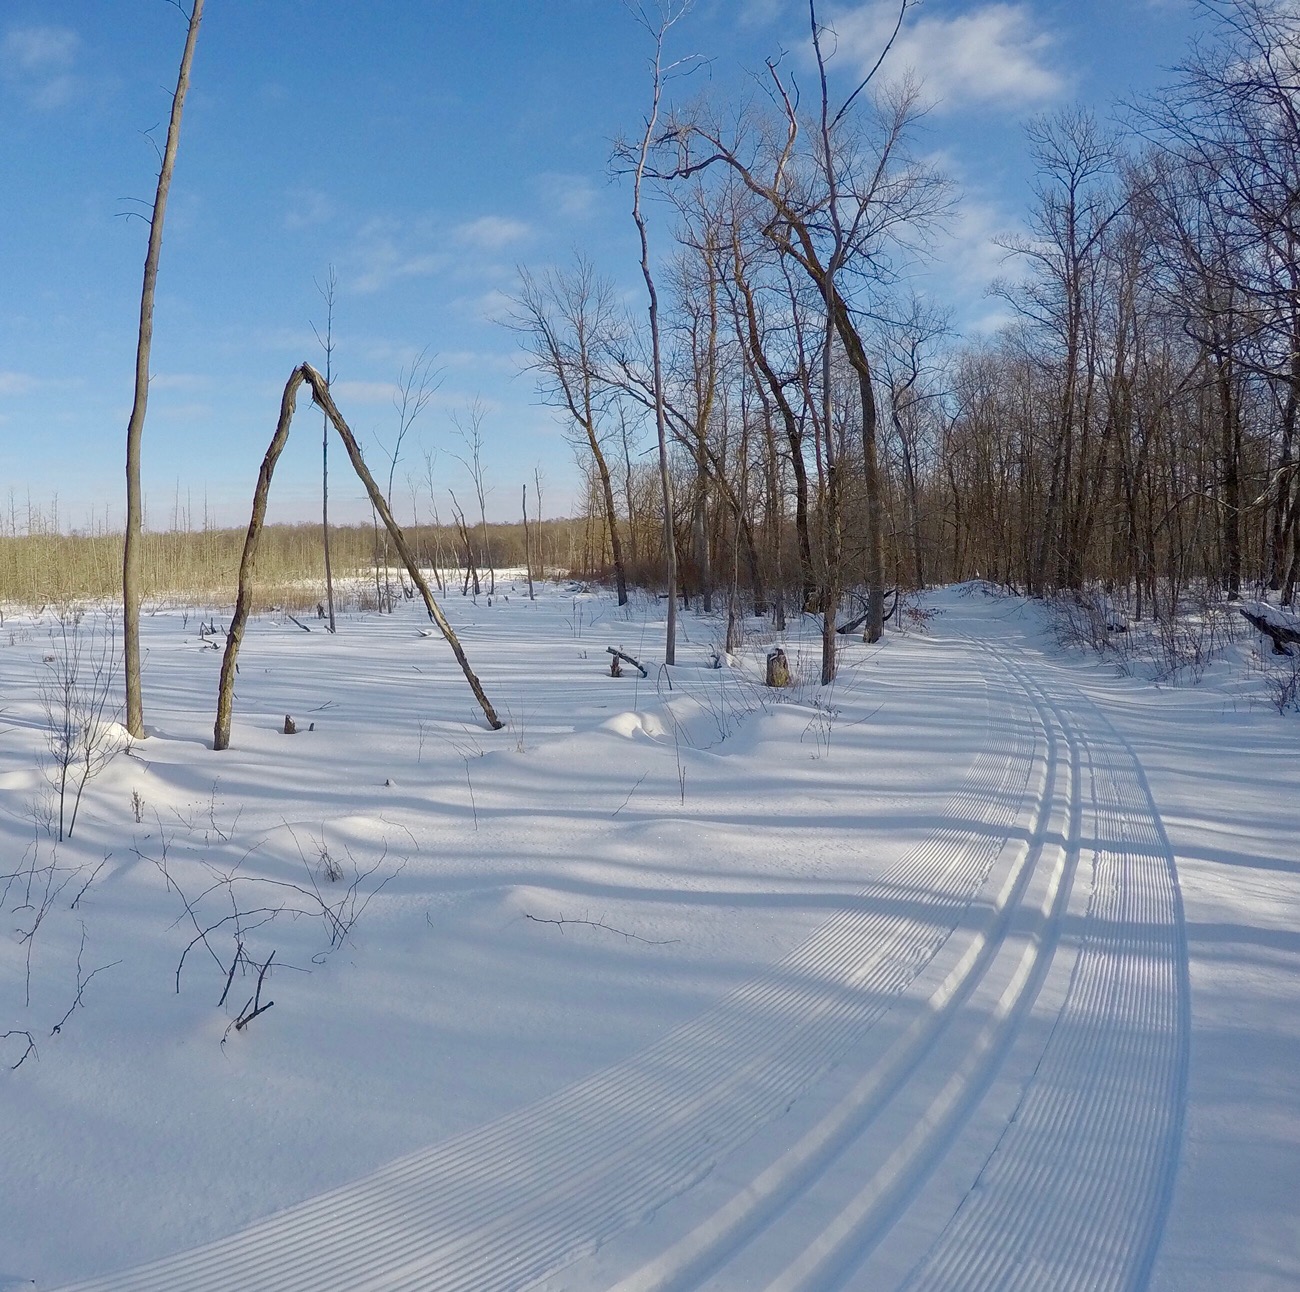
point(858, 1223)
point(504, 1204)
point(717, 1238)
point(1075, 1194)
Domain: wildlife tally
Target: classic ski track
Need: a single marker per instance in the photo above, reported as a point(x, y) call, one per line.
point(1097, 1205)
point(1076, 1192)
point(502, 1205)
point(1032, 896)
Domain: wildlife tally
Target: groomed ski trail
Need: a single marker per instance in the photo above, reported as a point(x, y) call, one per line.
point(1076, 1193)
point(506, 1204)
point(1053, 822)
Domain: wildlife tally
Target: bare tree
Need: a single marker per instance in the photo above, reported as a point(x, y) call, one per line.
point(528, 551)
point(328, 291)
point(416, 385)
point(908, 349)
point(1075, 206)
point(837, 193)
point(131, 592)
point(470, 429)
point(430, 457)
point(80, 718)
point(1234, 121)
point(565, 320)
point(658, 27)
point(538, 477)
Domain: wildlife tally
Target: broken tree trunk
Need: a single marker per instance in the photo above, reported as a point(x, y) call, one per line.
point(243, 601)
point(627, 659)
point(1282, 637)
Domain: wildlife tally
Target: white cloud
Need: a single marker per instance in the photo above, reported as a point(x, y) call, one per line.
point(759, 13)
point(491, 232)
point(480, 360)
point(993, 55)
point(993, 321)
point(16, 383)
point(571, 196)
point(491, 306)
point(390, 250)
point(38, 64)
point(969, 244)
point(308, 207)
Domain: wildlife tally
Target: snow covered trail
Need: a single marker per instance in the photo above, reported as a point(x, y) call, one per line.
point(1023, 1130)
point(970, 1076)
point(1076, 1192)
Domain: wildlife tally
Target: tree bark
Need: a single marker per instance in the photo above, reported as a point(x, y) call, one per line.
point(131, 593)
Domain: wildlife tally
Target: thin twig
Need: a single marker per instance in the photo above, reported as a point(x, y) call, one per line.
point(256, 999)
point(630, 792)
point(82, 983)
point(600, 924)
point(31, 1047)
point(230, 977)
point(90, 881)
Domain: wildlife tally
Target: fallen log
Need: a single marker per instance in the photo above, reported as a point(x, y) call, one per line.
point(627, 659)
point(1282, 636)
point(854, 624)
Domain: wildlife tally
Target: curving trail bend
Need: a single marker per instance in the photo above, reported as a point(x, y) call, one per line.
point(995, 1069)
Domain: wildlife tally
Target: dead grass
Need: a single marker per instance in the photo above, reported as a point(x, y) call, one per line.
point(201, 567)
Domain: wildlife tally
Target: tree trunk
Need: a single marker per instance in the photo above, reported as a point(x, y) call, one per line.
point(611, 518)
point(656, 349)
point(131, 592)
point(244, 597)
point(528, 553)
point(875, 536)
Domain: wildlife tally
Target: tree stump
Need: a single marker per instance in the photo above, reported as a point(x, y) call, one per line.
point(778, 668)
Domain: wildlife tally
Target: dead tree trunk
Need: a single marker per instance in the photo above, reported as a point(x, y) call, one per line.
point(135, 426)
point(243, 602)
point(528, 551)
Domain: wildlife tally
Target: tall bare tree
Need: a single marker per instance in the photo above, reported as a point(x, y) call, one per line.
point(565, 319)
point(837, 192)
point(1075, 206)
point(328, 290)
point(131, 591)
point(639, 155)
point(416, 385)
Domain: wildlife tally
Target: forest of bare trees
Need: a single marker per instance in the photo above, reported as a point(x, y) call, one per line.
point(1131, 429)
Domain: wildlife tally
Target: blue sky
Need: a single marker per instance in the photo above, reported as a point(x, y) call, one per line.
point(424, 150)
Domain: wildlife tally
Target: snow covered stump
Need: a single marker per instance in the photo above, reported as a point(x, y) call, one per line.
point(778, 668)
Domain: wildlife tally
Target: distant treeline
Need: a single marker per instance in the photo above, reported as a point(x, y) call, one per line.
point(201, 566)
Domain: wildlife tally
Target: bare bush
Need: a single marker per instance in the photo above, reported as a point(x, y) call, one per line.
point(1283, 684)
point(227, 909)
point(77, 695)
point(1082, 621)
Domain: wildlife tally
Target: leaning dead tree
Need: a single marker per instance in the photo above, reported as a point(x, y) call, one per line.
point(243, 601)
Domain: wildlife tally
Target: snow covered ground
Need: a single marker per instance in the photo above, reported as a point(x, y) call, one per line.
point(979, 969)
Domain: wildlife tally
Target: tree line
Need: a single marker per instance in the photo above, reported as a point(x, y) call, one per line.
point(1132, 427)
